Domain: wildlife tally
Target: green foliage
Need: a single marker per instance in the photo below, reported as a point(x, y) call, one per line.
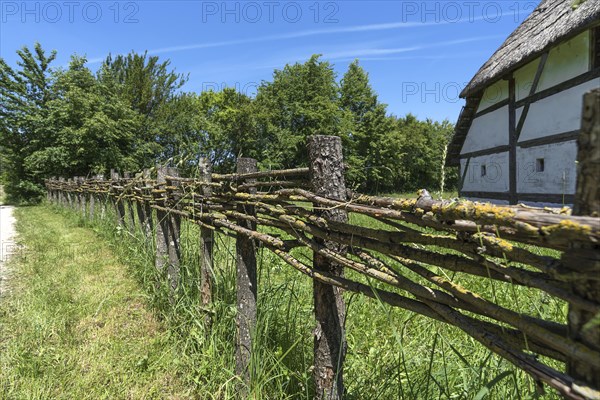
point(132, 114)
point(89, 128)
point(24, 95)
point(300, 101)
point(148, 87)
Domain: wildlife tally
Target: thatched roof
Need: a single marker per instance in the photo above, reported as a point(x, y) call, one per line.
point(551, 22)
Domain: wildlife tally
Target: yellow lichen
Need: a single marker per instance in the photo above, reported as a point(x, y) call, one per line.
point(567, 226)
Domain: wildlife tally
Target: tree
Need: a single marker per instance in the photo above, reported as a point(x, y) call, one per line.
point(24, 94)
point(90, 129)
point(302, 100)
point(148, 86)
point(373, 166)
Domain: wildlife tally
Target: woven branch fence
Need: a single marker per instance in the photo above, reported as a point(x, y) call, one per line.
point(310, 207)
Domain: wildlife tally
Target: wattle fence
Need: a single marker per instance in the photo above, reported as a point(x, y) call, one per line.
point(309, 207)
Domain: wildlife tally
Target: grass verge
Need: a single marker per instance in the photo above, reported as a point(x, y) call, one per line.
point(76, 325)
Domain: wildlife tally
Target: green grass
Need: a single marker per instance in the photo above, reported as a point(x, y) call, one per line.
point(75, 324)
point(392, 354)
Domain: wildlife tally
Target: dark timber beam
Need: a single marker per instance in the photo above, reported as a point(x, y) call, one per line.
point(512, 142)
point(532, 90)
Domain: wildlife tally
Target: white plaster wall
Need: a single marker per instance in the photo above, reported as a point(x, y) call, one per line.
point(559, 168)
point(566, 61)
point(494, 94)
point(489, 130)
point(556, 114)
point(551, 205)
point(524, 77)
point(496, 179)
point(492, 201)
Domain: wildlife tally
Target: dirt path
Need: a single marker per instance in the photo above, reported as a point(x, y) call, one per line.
point(7, 244)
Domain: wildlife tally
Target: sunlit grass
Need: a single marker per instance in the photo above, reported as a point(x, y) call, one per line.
point(392, 353)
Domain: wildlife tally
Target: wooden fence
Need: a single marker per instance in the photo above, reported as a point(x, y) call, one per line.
point(309, 207)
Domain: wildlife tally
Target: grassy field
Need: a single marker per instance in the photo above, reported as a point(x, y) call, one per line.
point(49, 347)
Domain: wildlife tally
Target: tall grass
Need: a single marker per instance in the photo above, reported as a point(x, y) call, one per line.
point(392, 353)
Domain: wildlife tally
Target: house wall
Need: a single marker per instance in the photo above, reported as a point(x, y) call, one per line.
point(494, 94)
point(559, 172)
point(487, 131)
point(555, 114)
point(549, 130)
point(495, 179)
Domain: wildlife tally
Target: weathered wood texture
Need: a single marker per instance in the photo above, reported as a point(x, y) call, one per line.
point(246, 281)
point(129, 208)
point(206, 243)
point(162, 226)
point(118, 200)
point(582, 325)
point(327, 180)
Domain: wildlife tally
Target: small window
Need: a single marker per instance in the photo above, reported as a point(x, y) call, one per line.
point(483, 170)
point(539, 165)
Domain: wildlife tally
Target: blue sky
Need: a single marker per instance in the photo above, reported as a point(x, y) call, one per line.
point(419, 54)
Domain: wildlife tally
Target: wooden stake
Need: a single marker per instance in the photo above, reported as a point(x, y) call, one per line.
point(206, 244)
point(582, 326)
point(327, 179)
point(246, 283)
point(119, 206)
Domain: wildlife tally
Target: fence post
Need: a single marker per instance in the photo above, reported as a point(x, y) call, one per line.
point(584, 258)
point(147, 209)
point(167, 234)
point(128, 204)
point(174, 221)
point(139, 208)
point(327, 179)
point(61, 192)
point(82, 196)
point(119, 207)
point(206, 243)
point(76, 193)
point(92, 199)
point(102, 199)
point(69, 192)
point(162, 228)
point(245, 282)
point(49, 194)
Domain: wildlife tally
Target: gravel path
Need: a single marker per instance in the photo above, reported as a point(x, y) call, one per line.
point(7, 244)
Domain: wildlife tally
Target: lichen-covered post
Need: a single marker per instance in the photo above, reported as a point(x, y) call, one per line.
point(584, 258)
point(69, 192)
point(76, 194)
point(102, 198)
point(327, 179)
point(246, 282)
point(61, 192)
point(128, 203)
point(92, 198)
point(147, 191)
point(174, 234)
point(82, 196)
point(162, 227)
point(167, 233)
point(49, 195)
point(140, 210)
point(118, 201)
point(206, 243)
